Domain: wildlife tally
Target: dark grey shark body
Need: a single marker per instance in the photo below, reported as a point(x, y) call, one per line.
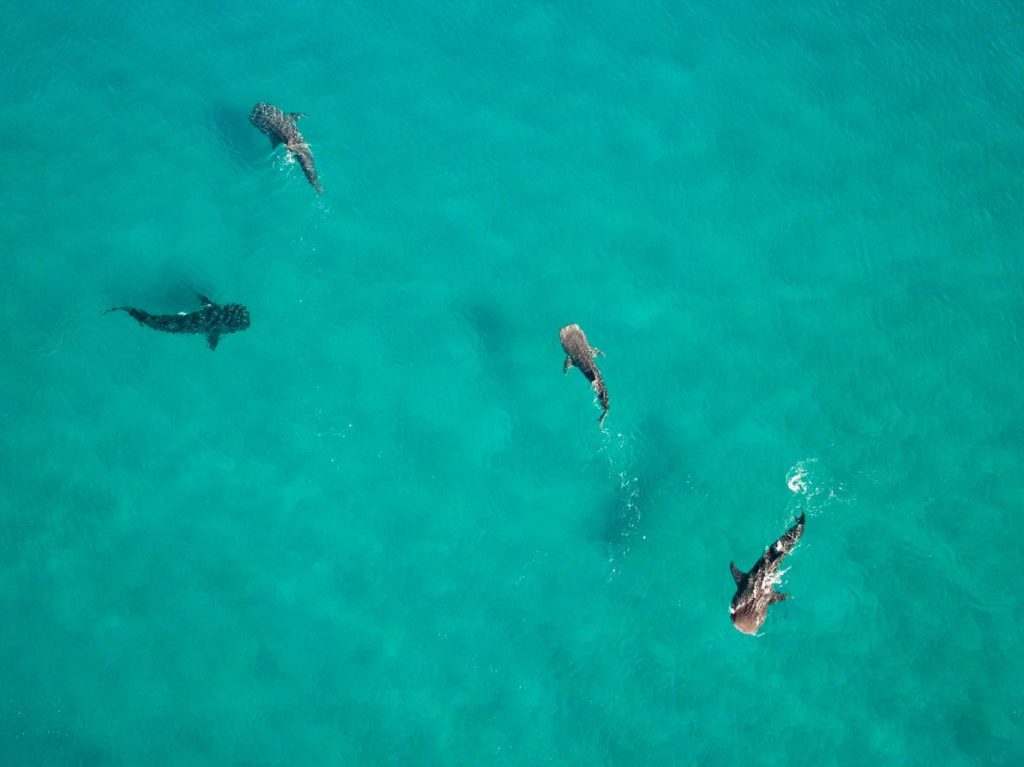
point(281, 127)
point(212, 321)
point(755, 590)
point(580, 354)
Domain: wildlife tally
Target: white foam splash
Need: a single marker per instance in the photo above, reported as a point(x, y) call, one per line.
point(796, 479)
point(619, 452)
point(815, 486)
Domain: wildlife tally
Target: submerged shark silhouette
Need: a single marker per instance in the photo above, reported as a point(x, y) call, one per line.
point(212, 321)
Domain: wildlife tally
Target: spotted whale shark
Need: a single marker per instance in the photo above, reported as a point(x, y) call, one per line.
point(282, 128)
point(212, 321)
point(579, 353)
point(755, 590)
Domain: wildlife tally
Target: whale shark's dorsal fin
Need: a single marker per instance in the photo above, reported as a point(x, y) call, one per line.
point(777, 596)
point(206, 301)
point(212, 339)
point(737, 574)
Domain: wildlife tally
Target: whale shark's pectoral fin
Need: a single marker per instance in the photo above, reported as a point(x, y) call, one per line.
point(596, 352)
point(212, 340)
point(296, 116)
point(737, 574)
point(274, 141)
point(567, 364)
point(205, 301)
point(777, 596)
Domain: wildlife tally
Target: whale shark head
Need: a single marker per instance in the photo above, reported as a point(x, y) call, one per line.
point(264, 115)
point(235, 317)
point(746, 617)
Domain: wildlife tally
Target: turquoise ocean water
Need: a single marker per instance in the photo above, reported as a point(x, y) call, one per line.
point(380, 526)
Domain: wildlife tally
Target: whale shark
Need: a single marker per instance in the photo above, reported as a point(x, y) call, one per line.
point(579, 353)
point(282, 128)
point(212, 321)
point(755, 589)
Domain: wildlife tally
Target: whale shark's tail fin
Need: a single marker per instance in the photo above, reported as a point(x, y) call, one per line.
point(788, 541)
point(792, 535)
point(305, 158)
point(138, 314)
point(602, 397)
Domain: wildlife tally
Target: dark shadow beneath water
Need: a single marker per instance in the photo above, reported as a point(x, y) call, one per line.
point(244, 144)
